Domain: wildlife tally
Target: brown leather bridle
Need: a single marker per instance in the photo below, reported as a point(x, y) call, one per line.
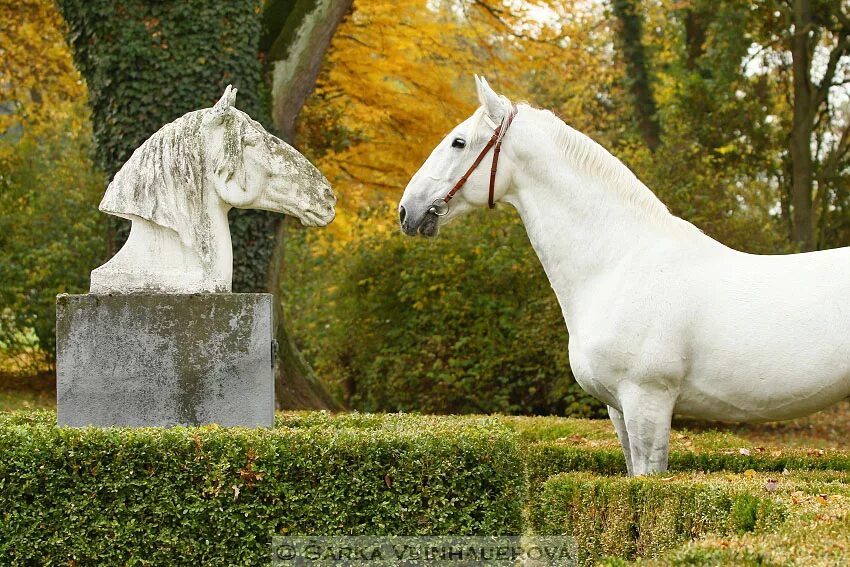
point(440, 207)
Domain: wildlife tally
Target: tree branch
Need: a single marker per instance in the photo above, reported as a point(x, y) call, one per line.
point(841, 49)
point(495, 13)
point(359, 179)
point(835, 156)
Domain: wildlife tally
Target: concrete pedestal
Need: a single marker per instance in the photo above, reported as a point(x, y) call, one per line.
point(164, 360)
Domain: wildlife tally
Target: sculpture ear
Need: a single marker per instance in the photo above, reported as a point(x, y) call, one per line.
point(219, 110)
point(233, 189)
point(228, 99)
point(493, 104)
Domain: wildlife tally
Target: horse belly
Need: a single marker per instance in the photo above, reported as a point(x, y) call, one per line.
point(755, 395)
point(762, 357)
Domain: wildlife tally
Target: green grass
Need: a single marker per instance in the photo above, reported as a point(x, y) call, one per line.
point(24, 400)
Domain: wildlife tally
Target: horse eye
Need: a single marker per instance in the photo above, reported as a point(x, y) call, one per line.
point(459, 143)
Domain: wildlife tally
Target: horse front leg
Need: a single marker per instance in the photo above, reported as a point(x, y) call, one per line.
point(620, 427)
point(647, 413)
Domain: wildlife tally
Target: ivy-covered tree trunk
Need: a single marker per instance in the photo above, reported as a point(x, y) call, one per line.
point(296, 35)
point(147, 63)
point(630, 21)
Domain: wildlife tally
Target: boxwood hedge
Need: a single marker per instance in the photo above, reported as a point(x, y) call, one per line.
point(630, 517)
point(214, 496)
point(713, 519)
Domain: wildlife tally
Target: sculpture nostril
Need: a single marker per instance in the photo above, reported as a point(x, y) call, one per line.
point(401, 214)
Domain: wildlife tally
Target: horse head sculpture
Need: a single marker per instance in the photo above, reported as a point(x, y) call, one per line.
point(178, 187)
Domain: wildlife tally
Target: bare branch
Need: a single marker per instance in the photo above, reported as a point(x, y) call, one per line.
point(368, 181)
point(841, 49)
point(495, 13)
point(835, 156)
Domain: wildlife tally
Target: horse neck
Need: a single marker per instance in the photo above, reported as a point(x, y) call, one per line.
point(582, 226)
point(152, 245)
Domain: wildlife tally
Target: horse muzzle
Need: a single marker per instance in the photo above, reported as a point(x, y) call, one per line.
point(427, 225)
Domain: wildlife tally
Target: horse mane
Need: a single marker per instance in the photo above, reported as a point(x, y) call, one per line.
point(591, 158)
point(166, 182)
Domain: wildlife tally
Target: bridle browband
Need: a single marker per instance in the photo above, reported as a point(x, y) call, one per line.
point(440, 207)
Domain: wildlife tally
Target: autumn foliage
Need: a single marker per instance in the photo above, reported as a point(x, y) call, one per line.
point(439, 325)
point(51, 234)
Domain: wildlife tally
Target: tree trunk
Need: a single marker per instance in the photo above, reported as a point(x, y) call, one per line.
point(296, 36)
point(296, 385)
point(296, 56)
point(640, 87)
point(146, 63)
point(801, 132)
point(695, 32)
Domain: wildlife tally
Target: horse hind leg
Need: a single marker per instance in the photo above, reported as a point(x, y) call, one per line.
point(647, 413)
point(620, 427)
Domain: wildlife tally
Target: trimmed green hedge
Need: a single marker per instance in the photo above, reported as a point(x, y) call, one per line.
point(574, 445)
point(816, 530)
point(637, 517)
point(216, 496)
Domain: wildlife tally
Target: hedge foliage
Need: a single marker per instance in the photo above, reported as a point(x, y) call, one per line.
point(148, 63)
point(216, 496)
point(815, 532)
point(556, 445)
point(630, 517)
point(460, 325)
point(213, 496)
point(692, 518)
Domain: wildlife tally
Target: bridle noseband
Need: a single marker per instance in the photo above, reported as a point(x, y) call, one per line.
point(440, 207)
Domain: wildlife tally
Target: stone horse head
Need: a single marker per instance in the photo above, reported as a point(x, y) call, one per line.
point(178, 187)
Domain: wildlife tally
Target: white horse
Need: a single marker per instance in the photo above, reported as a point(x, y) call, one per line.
point(662, 319)
point(178, 187)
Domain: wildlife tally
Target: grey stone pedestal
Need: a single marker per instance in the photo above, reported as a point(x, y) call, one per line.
point(163, 360)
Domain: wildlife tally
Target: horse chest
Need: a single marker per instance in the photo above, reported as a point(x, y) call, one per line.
point(610, 350)
point(599, 371)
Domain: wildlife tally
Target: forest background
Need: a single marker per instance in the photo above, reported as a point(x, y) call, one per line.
point(734, 112)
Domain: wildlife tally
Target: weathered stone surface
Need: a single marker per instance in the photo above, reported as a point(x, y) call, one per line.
point(165, 359)
point(178, 187)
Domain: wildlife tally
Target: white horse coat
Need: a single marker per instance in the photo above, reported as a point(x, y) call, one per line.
point(662, 318)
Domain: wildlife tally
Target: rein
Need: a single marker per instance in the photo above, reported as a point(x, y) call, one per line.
point(440, 207)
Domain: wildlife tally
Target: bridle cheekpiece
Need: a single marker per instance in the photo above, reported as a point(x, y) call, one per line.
point(440, 207)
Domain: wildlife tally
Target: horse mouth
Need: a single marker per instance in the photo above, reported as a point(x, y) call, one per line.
point(317, 218)
point(428, 226)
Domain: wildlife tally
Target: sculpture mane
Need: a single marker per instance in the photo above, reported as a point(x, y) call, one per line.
point(180, 183)
point(164, 182)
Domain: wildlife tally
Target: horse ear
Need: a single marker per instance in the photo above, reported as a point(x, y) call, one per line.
point(490, 100)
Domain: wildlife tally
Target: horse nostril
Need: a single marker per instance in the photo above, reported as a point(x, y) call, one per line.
point(401, 214)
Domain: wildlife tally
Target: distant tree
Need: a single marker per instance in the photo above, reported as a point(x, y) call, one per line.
point(812, 26)
point(630, 41)
point(51, 233)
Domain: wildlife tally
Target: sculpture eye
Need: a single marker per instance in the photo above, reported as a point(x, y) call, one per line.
point(459, 143)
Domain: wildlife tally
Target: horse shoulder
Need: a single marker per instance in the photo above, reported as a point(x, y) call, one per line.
point(632, 328)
